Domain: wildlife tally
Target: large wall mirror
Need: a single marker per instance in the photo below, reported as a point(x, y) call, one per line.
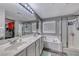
point(9, 28)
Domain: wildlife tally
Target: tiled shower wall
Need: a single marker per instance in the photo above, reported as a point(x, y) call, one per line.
point(73, 33)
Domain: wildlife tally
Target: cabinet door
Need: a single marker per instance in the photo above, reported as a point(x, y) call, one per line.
point(42, 42)
point(22, 53)
point(31, 50)
point(38, 47)
point(41, 45)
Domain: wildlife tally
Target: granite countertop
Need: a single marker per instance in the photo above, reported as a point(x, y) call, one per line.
point(13, 49)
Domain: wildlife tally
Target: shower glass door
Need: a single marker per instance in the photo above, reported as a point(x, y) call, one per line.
point(73, 33)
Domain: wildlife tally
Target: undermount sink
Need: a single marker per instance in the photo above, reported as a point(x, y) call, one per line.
point(15, 46)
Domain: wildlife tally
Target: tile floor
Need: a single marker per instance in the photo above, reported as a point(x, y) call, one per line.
point(47, 53)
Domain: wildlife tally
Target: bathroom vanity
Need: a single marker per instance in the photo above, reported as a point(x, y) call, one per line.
point(28, 46)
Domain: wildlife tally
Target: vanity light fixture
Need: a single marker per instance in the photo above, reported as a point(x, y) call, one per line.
point(26, 6)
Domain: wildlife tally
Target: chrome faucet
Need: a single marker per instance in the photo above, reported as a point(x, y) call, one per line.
point(35, 34)
point(20, 39)
point(12, 41)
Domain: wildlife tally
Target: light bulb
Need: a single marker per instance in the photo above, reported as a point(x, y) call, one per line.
point(26, 5)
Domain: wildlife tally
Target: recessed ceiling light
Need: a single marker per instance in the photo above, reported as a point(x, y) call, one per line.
point(26, 5)
point(28, 8)
point(31, 11)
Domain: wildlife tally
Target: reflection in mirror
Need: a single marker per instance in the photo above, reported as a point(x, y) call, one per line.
point(27, 28)
point(9, 28)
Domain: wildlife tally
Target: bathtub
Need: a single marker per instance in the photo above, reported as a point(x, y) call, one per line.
point(53, 43)
point(71, 51)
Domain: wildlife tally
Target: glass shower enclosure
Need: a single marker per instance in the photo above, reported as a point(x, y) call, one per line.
point(71, 44)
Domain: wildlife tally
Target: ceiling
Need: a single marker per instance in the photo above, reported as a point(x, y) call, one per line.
point(47, 10)
point(15, 11)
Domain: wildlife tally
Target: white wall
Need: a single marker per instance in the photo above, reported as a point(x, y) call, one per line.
point(39, 30)
point(34, 27)
point(64, 32)
point(59, 28)
point(2, 22)
point(18, 28)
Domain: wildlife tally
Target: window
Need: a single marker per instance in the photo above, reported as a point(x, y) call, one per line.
point(49, 27)
point(27, 28)
point(34, 27)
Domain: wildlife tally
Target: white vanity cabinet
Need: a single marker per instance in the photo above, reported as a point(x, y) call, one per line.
point(30, 50)
point(35, 49)
point(39, 46)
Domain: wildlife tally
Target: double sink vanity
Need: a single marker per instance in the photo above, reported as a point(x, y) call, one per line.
point(22, 46)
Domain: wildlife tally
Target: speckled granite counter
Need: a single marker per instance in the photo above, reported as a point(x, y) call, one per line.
point(13, 49)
